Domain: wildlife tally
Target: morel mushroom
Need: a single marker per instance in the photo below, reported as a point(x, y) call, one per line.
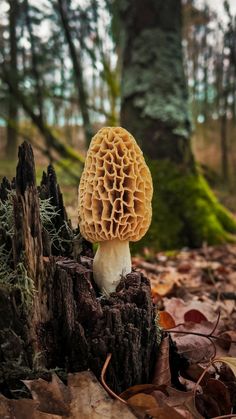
point(115, 195)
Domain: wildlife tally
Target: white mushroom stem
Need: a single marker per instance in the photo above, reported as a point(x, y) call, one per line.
point(111, 262)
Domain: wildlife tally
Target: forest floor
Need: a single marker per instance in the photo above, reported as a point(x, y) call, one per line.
point(194, 374)
point(203, 279)
point(195, 293)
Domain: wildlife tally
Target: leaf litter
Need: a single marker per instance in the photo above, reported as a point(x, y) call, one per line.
point(194, 376)
point(195, 294)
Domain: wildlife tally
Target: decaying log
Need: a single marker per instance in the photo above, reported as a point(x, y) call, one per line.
point(68, 324)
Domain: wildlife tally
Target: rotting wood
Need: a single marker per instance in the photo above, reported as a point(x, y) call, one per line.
point(69, 325)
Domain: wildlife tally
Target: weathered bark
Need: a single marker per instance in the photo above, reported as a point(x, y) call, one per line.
point(67, 324)
point(154, 109)
point(154, 92)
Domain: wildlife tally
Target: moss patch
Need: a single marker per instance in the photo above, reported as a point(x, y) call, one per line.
point(185, 211)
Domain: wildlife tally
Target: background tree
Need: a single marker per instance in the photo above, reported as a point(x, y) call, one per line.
point(154, 107)
point(11, 147)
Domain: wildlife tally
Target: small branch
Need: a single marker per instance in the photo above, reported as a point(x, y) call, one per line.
point(103, 373)
point(223, 295)
point(185, 332)
point(208, 336)
point(225, 416)
point(217, 322)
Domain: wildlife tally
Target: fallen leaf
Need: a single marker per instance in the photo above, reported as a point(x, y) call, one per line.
point(166, 412)
point(191, 406)
point(162, 375)
point(194, 316)
point(177, 308)
point(207, 406)
point(227, 338)
point(20, 409)
point(139, 388)
point(194, 371)
point(145, 401)
point(231, 362)
point(218, 391)
point(165, 284)
point(187, 343)
point(53, 397)
point(166, 321)
point(82, 398)
point(184, 267)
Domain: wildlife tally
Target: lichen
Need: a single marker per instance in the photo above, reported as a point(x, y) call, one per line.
point(16, 276)
point(159, 92)
point(185, 210)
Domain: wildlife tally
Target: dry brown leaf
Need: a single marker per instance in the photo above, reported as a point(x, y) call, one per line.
point(162, 289)
point(165, 283)
point(53, 397)
point(177, 398)
point(166, 321)
point(142, 400)
point(191, 406)
point(184, 267)
point(194, 316)
point(231, 362)
point(139, 388)
point(182, 401)
point(21, 409)
point(177, 308)
point(218, 391)
point(188, 343)
point(83, 398)
point(194, 371)
point(227, 338)
point(89, 399)
point(162, 375)
point(166, 412)
point(185, 413)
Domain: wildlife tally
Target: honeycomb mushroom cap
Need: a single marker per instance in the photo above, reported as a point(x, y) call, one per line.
point(115, 189)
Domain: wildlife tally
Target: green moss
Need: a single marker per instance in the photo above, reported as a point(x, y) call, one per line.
point(185, 211)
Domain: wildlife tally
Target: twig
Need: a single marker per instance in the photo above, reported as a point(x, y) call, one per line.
point(200, 379)
point(185, 332)
point(103, 373)
point(208, 336)
point(216, 324)
point(223, 295)
point(225, 416)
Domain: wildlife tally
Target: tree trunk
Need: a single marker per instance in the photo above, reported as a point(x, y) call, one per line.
point(52, 316)
point(77, 70)
point(34, 58)
point(11, 146)
point(154, 109)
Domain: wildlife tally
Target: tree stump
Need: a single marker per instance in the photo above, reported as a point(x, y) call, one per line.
point(51, 313)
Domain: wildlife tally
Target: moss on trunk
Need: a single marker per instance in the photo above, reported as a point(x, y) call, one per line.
point(185, 210)
point(154, 108)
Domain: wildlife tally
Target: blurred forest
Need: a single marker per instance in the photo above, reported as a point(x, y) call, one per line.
point(64, 72)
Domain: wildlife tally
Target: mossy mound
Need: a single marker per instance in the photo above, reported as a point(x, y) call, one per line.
point(186, 213)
